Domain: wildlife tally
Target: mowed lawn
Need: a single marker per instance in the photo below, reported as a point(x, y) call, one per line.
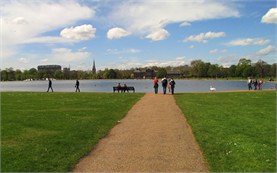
point(236, 131)
point(50, 132)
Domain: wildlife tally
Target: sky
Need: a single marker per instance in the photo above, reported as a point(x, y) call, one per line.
point(124, 34)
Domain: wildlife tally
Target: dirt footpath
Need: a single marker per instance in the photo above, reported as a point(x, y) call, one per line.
point(153, 137)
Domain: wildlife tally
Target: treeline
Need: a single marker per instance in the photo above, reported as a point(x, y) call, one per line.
point(197, 69)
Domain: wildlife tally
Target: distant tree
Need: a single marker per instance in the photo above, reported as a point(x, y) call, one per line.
point(33, 73)
point(4, 75)
point(232, 71)
point(199, 68)
point(161, 73)
point(110, 74)
point(58, 74)
point(18, 75)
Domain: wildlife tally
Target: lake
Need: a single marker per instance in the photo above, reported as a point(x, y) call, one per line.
point(140, 85)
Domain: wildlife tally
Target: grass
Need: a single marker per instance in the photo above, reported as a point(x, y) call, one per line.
point(50, 132)
point(236, 131)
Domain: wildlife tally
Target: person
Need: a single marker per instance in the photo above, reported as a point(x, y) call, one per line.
point(156, 85)
point(249, 82)
point(164, 84)
point(77, 86)
point(125, 87)
point(172, 85)
point(260, 84)
point(118, 87)
point(169, 86)
point(255, 84)
point(49, 85)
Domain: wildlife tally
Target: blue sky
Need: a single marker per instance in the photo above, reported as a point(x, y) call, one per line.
point(135, 33)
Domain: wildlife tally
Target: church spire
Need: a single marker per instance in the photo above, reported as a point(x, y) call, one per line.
point(93, 68)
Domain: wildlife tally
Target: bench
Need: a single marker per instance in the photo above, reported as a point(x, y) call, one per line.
point(123, 89)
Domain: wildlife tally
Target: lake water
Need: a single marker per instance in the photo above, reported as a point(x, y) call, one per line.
point(140, 85)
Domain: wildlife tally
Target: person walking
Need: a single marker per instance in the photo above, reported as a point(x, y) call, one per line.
point(255, 84)
point(156, 85)
point(164, 84)
point(172, 85)
point(249, 83)
point(77, 86)
point(260, 84)
point(49, 85)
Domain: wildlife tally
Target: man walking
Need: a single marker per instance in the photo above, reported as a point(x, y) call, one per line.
point(164, 84)
point(49, 85)
point(77, 86)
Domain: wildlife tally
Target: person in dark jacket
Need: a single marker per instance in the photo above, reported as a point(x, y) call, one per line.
point(77, 86)
point(49, 85)
point(164, 84)
point(172, 85)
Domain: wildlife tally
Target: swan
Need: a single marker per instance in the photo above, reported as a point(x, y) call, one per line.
point(212, 88)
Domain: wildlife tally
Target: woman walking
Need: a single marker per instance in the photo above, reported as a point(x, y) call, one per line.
point(156, 85)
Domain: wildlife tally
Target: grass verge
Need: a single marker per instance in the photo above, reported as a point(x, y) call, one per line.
point(50, 132)
point(236, 131)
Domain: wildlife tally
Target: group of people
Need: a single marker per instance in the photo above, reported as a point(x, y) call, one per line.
point(122, 88)
point(256, 83)
point(166, 83)
point(50, 85)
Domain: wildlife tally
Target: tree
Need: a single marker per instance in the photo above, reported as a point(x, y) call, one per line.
point(4, 75)
point(33, 73)
point(161, 73)
point(199, 68)
point(18, 75)
point(109, 74)
point(58, 74)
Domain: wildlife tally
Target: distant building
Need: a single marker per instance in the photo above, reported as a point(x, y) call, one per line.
point(144, 74)
point(93, 68)
point(49, 67)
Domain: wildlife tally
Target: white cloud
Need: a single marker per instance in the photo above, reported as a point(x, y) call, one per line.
point(83, 32)
point(65, 55)
point(270, 16)
point(204, 37)
point(185, 24)
point(175, 62)
point(214, 51)
point(144, 16)
point(116, 33)
point(249, 41)
point(27, 20)
point(24, 60)
point(158, 35)
point(266, 51)
point(123, 51)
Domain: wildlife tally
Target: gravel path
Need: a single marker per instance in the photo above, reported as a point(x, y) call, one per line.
point(153, 137)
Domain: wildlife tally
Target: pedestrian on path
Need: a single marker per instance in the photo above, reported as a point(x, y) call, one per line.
point(172, 85)
point(156, 85)
point(49, 85)
point(77, 86)
point(164, 84)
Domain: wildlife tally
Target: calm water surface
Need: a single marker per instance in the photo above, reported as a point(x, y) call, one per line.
point(140, 85)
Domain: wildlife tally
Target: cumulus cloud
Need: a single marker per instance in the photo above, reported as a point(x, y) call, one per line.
point(65, 55)
point(266, 51)
point(158, 35)
point(116, 33)
point(144, 17)
point(249, 41)
point(27, 20)
point(214, 51)
point(270, 16)
point(83, 32)
point(185, 24)
point(204, 37)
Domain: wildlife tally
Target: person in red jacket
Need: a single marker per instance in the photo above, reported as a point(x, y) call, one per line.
point(156, 85)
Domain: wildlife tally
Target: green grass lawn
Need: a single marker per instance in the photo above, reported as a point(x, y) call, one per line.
point(236, 131)
point(50, 132)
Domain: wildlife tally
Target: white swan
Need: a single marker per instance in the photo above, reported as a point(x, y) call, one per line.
point(212, 88)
